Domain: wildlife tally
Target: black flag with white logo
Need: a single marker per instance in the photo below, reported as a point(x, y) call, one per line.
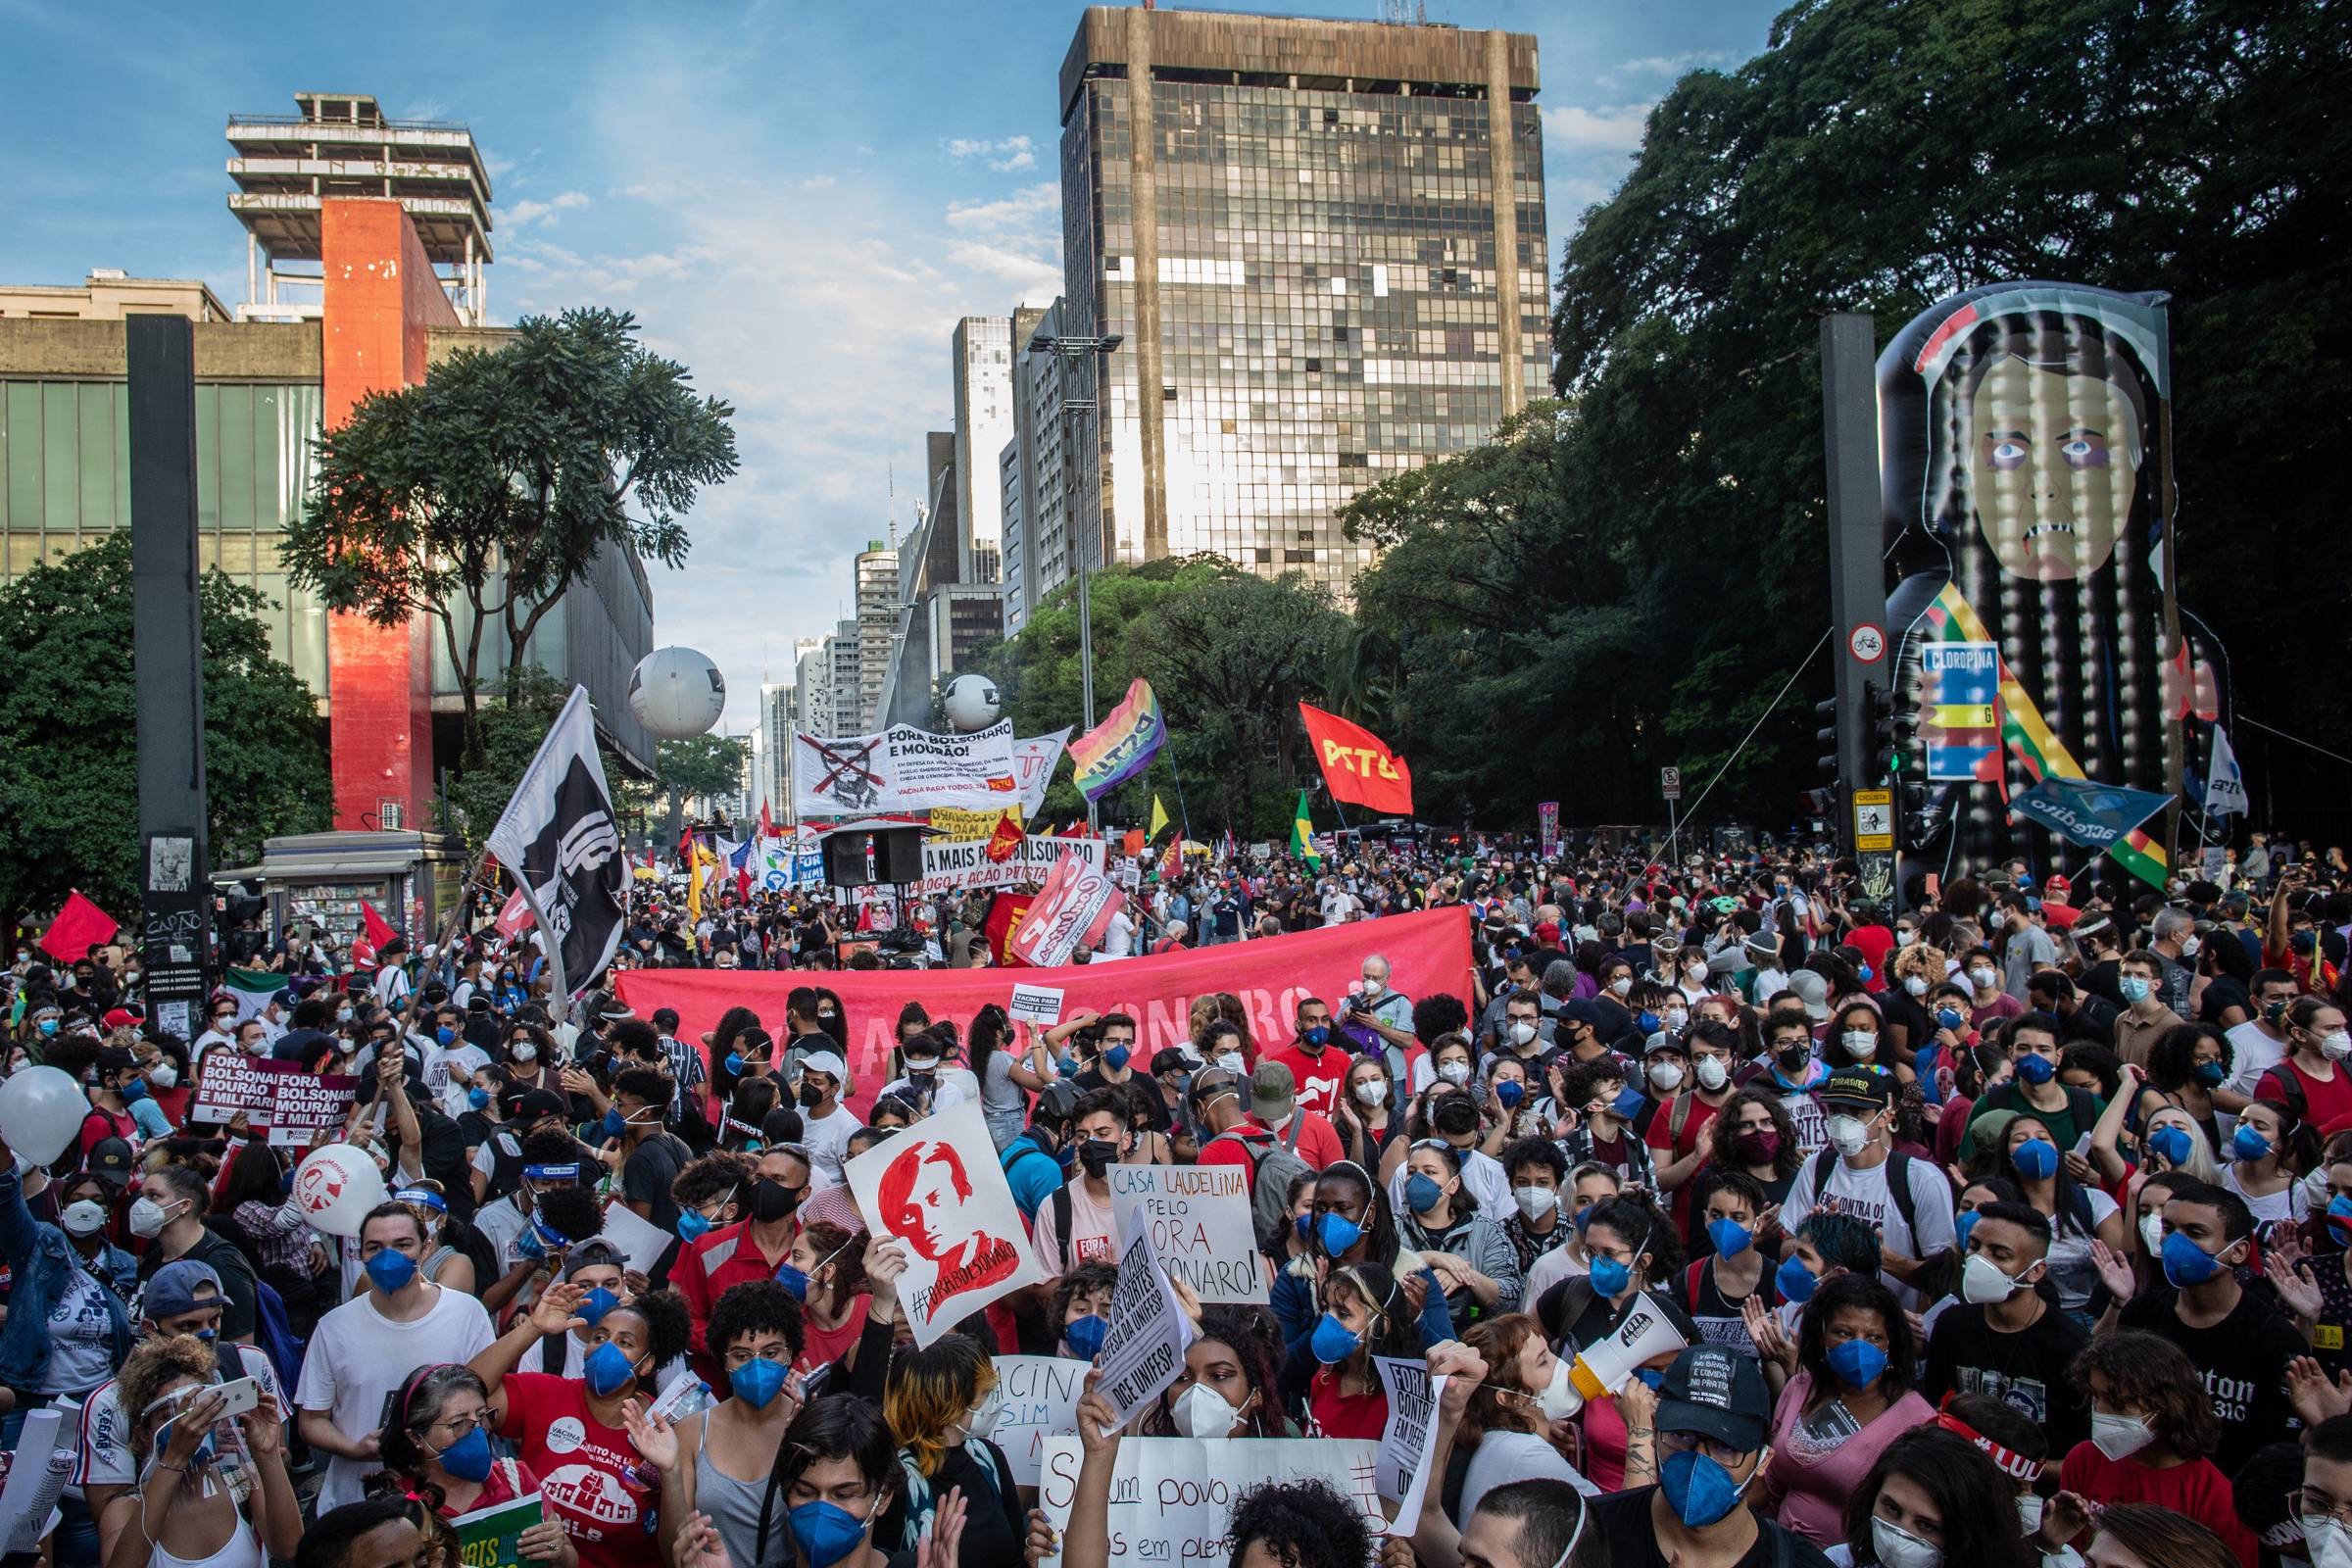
point(559, 840)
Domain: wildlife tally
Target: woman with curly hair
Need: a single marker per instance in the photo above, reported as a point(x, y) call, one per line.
point(716, 1461)
point(1851, 1397)
point(1227, 1388)
point(1505, 1430)
point(2152, 1426)
point(177, 1513)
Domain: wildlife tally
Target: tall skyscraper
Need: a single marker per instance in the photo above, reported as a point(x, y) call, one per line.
point(983, 358)
point(877, 578)
point(1323, 243)
point(1026, 488)
point(843, 672)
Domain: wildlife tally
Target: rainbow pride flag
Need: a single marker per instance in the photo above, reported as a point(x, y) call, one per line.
point(1121, 746)
point(1952, 619)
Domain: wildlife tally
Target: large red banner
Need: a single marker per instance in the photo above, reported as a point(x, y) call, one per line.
point(1427, 954)
point(1358, 764)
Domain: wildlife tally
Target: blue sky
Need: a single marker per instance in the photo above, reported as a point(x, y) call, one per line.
point(798, 201)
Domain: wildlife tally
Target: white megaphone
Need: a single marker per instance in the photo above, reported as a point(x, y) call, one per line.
point(1602, 1367)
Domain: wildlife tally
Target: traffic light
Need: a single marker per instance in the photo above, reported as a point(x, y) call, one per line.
point(1891, 729)
point(1827, 736)
point(1920, 815)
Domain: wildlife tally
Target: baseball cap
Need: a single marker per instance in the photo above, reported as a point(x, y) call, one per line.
point(827, 1062)
point(1273, 1092)
point(110, 1161)
point(590, 1253)
point(120, 1018)
point(537, 1102)
point(1661, 1041)
point(1858, 1086)
point(175, 1285)
point(1169, 1059)
point(1813, 990)
point(1718, 1393)
point(116, 1059)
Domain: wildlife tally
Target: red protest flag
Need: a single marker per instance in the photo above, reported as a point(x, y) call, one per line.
point(1004, 840)
point(1005, 912)
point(1358, 764)
point(379, 929)
point(78, 926)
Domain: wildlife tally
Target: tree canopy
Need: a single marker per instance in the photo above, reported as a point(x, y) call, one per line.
point(69, 721)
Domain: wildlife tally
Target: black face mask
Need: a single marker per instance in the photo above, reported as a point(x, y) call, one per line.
point(1455, 1117)
point(811, 1096)
point(1793, 1057)
point(772, 1200)
point(1096, 1155)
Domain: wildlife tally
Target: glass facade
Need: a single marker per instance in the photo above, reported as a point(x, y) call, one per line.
point(1328, 300)
point(65, 479)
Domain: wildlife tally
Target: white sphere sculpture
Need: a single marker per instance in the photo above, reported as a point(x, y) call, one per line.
point(676, 692)
point(972, 703)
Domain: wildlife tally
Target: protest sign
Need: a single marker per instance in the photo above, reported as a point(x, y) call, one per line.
point(903, 769)
point(1200, 1225)
point(37, 1472)
point(1428, 952)
point(293, 1104)
point(1041, 1402)
point(490, 1538)
point(1036, 1004)
point(939, 1191)
point(1074, 908)
point(951, 866)
point(640, 1241)
point(954, 822)
point(1144, 1348)
point(1033, 763)
point(1171, 1499)
point(1408, 1443)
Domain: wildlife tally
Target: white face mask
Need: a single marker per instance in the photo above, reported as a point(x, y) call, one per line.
point(982, 1422)
point(526, 1052)
point(2119, 1437)
point(2191, 945)
point(2335, 1045)
point(2151, 1233)
point(1915, 984)
point(82, 1218)
point(2028, 1511)
point(148, 1218)
point(1862, 1043)
point(1850, 1135)
point(1666, 1075)
point(1535, 1202)
point(1621, 986)
point(1899, 1548)
point(1454, 1072)
point(1676, 1019)
point(1712, 1073)
point(1523, 1033)
point(1201, 1411)
point(1983, 1282)
point(1982, 979)
point(1372, 1091)
point(1231, 1061)
point(1557, 1398)
point(163, 1075)
point(2315, 1188)
point(2325, 1542)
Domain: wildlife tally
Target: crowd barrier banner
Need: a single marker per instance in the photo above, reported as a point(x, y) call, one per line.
point(1427, 952)
point(1171, 1499)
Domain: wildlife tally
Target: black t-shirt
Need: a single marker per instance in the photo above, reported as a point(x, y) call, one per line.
point(2221, 993)
point(644, 1178)
point(1573, 1316)
point(1623, 1520)
point(2026, 1370)
point(1917, 1029)
point(225, 1260)
point(2244, 1360)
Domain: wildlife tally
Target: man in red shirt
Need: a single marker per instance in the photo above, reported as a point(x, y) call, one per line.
point(1315, 1064)
point(1274, 1098)
point(1266, 1124)
point(1872, 937)
point(746, 1251)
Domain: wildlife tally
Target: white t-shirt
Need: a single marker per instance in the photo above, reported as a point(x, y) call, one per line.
point(1482, 1176)
point(1095, 1234)
point(103, 1436)
point(82, 1342)
point(1118, 937)
point(827, 1138)
point(2252, 1052)
point(2285, 1206)
point(1551, 1268)
point(1502, 1456)
point(2071, 1267)
point(1866, 1195)
point(358, 1356)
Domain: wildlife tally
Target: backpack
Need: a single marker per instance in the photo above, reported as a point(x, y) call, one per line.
point(273, 1333)
point(1273, 1166)
point(1898, 1184)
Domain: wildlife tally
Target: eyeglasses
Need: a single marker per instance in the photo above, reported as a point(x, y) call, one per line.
point(2318, 1505)
point(1715, 1448)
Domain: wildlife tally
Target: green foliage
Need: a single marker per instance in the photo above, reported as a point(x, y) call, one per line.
point(68, 787)
point(530, 699)
point(476, 498)
point(708, 766)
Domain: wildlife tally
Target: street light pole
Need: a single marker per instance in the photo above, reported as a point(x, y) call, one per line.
point(1069, 353)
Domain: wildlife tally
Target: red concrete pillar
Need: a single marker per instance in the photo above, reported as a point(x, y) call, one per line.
point(381, 300)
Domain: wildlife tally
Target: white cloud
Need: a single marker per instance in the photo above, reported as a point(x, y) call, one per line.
point(1033, 278)
point(523, 213)
point(1006, 156)
point(1672, 66)
point(1024, 209)
point(817, 182)
point(1574, 128)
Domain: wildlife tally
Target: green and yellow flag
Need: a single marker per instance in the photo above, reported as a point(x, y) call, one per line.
point(1302, 836)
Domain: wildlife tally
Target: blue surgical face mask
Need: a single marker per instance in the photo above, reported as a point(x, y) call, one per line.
point(1698, 1489)
point(1333, 1341)
point(596, 1303)
point(1115, 1057)
point(478, 1097)
point(1797, 1282)
point(693, 1225)
point(2212, 1074)
point(1315, 1035)
point(1421, 1192)
point(825, 1533)
point(1084, 1335)
point(2134, 988)
point(468, 1458)
point(1337, 1232)
point(2036, 1068)
point(756, 1381)
point(735, 1063)
point(1648, 1022)
point(1857, 1363)
point(2173, 1142)
point(2185, 1263)
point(1610, 1277)
point(1510, 1091)
point(445, 1033)
point(391, 1271)
point(2249, 1144)
point(793, 1279)
point(133, 1091)
point(614, 1122)
point(610, 1370)
point(1731, 1237)
point(1962, 1223)
point(1950, 1018)
point(2035, 1160)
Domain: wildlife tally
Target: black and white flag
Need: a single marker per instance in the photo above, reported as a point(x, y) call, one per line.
point(559, 840)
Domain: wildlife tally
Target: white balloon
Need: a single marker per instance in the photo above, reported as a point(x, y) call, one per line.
point(42, 1109)
point(972, 703)
point(676, 692)
point(336, 1187)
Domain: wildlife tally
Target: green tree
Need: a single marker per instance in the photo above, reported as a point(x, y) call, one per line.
point(705, 766)
point(69, 723)
point(478, 496)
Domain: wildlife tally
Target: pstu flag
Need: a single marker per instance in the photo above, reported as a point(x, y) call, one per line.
point(1358, 764)
point(559, 839)
point(1121, 746)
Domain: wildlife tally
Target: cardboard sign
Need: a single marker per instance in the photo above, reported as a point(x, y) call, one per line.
point(1408, 1443)
point(1040, 1404)
point(291, 1104)
point(1171, 1499)
point(490, 1538)
point(1144, 1348)
point(1200, 1225)
point(1036, 1004)
point(939, 1190)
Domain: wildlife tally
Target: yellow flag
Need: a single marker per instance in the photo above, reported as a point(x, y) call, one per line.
point(1159, 817)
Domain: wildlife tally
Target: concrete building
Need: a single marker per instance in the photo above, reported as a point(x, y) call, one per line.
point(843, 662)
point(288, 166)
point(1031, 475)
point(1324, 245)
point(944, 620)
point(876, 575)
point(264, 390)
point(982, 354)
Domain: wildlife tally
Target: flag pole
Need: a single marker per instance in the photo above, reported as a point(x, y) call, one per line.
point(1184, 817)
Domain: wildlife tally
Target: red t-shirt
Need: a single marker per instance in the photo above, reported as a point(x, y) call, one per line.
point(1318, 1145)
point(1321, 1078)
point(2196, 1490)
point(1670, 1148)
point(2324, 1103)
point(100, 1125)
point(823, 1346)
point(1337, 1414)
point(591, 1476)
point(1874, 943)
